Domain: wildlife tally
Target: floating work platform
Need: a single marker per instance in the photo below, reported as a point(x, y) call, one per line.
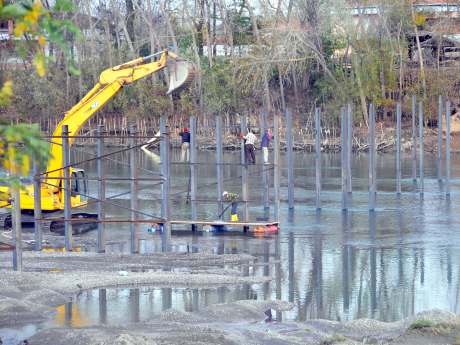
point(222, 226)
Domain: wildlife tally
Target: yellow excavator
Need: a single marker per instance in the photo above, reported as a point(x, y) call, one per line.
point(181, 73)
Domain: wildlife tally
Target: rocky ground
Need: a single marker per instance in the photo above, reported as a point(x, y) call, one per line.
point(50, 279)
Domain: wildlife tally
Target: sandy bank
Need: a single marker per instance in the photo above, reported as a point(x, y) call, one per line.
point(51, 279)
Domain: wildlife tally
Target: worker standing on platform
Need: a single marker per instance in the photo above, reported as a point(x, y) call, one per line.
point(185, 146)
point(233, 198)
point(265, 143)
point(249, 147)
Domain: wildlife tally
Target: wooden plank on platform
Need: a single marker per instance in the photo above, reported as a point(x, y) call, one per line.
point(223, 223)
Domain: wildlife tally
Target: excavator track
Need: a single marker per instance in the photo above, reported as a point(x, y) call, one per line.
point(83, 222)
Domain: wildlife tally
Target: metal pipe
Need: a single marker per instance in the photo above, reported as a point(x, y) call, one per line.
point(276, 172)
point(193, 169)
point(439, 153)
point(318, 156)
point(349, 148)
point(343, 155)
point(414, 139)
point(38, 235)
point(219, 167)
point(165, 211)
point(244, 172)
point(290, 159)
point(398, 149)
point(265, 172)
point(372, 170)
point(134, 227)
point(17, 227)
point(448, 113)
point(67, 189)
point(100, 191)
point(421, 149)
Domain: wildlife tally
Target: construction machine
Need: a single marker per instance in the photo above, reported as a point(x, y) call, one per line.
point(111, 81)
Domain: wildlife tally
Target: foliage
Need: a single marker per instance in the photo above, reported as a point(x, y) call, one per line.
point(322, 57)
point(218, 90)
point(38, 25)
point(422, 323)
point(22, 143)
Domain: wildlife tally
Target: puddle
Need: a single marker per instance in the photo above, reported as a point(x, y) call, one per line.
point(122, 306)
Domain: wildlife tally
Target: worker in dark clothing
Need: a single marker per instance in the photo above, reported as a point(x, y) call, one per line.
point(265, 143)
point(185, 146)
point(233, 198)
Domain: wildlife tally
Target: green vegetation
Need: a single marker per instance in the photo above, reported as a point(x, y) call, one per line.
point(441, 328)
point(419, 324)
point(333, 339)
point(309, 53)
point(35, 25)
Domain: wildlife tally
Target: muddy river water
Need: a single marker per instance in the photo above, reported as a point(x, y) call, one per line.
point(388, 264)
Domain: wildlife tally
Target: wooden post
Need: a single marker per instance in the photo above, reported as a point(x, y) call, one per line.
point(414, 139)
point(398, 149)
point(165, 211)
point(349, 148)
point(276, 172)
point(134, 226)
point(290, 159)
point(318, 156)
point(421, 150)
point(343, 155)
point(439, 153)
point(448, 113)
point(67, 189)
point(244, 172)
point(38, 235)
point(219, 166)
point(100, 191)
point(193, 170)
point(372, 161)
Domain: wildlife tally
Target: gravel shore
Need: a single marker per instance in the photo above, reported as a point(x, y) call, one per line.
point(51, 279)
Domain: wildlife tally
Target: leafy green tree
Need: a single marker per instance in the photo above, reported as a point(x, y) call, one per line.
point(35, 26)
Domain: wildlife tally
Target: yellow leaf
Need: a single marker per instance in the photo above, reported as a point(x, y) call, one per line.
point(37, 6)
point(419, 19)
point(39, 63)
point(6, 92)
point(42, 41)
point(19, 29)
point(7, 88)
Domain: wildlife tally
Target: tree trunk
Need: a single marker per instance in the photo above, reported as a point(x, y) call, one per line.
point(420, 52)
point(267, 100)
point(130, 20)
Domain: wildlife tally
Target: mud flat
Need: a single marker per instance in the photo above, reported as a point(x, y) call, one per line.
point(50, 279)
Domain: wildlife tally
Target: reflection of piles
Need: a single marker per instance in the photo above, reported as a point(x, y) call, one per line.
point(146, 148)
point(69, 315)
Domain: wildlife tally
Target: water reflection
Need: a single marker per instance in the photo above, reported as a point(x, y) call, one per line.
point(121, 306)
point(387, 264)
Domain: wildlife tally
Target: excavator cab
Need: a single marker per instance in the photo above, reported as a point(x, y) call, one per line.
point(79, 184)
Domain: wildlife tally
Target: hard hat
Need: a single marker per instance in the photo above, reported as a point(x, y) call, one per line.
point(225, 193)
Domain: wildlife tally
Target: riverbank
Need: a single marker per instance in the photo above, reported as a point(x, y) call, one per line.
point(385, 141)
point(52, 279)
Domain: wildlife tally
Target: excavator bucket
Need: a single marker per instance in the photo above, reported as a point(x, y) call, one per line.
point(181, 75)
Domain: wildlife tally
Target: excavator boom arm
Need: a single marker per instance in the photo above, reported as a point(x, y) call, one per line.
point(110, 83)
